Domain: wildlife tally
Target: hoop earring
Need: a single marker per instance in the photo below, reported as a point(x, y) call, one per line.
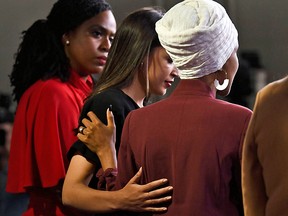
point(223, 85)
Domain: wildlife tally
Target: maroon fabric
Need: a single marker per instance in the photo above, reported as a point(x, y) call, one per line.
point(43, 132)
point(106, 179)
point(195, 141)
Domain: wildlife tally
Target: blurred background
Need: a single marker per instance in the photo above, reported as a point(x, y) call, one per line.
point(262, 36)
point(261, 25)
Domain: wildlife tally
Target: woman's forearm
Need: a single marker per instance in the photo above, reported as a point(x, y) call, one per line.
point(76, 192)
point(108, 158)
point(82, 197)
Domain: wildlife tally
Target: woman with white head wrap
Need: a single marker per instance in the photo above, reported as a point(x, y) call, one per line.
point(192, 138)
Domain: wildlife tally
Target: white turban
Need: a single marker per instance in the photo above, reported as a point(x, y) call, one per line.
point(199, 37)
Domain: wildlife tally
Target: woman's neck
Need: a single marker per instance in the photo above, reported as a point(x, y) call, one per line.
point(135, 91)
point(84, 76)
point(209, 80)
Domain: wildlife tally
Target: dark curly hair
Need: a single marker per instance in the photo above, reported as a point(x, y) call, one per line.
point(41, 54)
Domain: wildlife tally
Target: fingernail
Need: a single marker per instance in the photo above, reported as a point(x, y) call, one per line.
point(169, 197)
point(170, 188)
point(164, 180)
point(110, 107)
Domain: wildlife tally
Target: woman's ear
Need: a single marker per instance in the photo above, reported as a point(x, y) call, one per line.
point(65, 39)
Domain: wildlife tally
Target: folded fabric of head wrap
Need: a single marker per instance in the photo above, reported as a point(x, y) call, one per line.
point(199, 37)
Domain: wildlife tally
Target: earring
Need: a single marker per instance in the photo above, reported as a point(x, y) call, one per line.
point(223, 85)
point(67, 42)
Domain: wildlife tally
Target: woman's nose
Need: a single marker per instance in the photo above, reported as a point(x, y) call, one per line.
point(106, 44)
point(175, 72)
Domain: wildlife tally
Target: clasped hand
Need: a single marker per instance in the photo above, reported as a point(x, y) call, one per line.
point(100, 138)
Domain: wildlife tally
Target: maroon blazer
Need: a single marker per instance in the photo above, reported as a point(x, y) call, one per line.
point(195, 141)
point(265, 153)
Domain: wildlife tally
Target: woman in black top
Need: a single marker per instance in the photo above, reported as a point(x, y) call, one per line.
point(137, 66)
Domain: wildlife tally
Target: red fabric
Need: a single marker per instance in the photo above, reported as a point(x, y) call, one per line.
point(43, 132)
point(47, 202)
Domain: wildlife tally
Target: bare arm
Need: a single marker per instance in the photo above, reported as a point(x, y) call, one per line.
point(133, 197)
point(76, 192)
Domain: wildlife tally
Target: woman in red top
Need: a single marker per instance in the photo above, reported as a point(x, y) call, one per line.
point(51, 78)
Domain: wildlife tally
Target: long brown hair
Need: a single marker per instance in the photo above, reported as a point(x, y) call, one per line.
point(133, 41)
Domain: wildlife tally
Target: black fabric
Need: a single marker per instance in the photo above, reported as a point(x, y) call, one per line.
point(121, 103)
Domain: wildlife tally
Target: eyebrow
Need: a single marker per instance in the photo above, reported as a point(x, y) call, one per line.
point(101, 28)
